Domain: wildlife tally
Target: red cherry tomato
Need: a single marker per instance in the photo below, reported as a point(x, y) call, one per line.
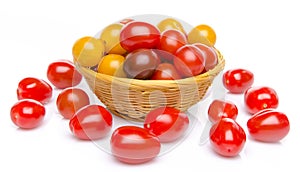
point(70, 100)
point(238, 80)
point(167, 123)
point(134, 145)
point(33, 88)
point(209, 54)
point(136, 35)
point(189, 60)
point(227, 137)
point(222, 109)
point(268, 126)
point(171, 41)
point(27, 113)
point(63, 74)
point(91, 122)
point(165, 71)
point(259, 98)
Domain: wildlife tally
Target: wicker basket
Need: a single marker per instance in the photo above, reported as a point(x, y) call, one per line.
point(132, 99)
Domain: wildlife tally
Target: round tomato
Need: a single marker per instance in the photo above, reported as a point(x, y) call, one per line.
point(70, 100)
point(167, 123)
point(202, 34)
point(227, 137)
point(136, 35)
point(33, 88)
point(238, 80)
point(171, 41)
point(222, 109)
point(170, 23)
point(209, 54)
point(63, 74)
point(259, 98)
point(268, 126)
point(134, 145)
point(141, 64)
point(165, 71)
point(27, 113)
point(91, 122)
point(189, 60)
point(110, 64)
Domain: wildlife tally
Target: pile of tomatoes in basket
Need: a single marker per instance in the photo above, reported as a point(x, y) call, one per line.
point(141, 50)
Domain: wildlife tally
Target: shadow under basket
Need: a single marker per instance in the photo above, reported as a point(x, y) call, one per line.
point(132, 99)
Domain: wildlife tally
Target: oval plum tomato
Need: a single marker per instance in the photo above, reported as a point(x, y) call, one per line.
point(238, 80)
point(27, 113)
point(33, 88)
point(227, 137)
point(210, 56)
point(189, 60)
point(110, 64)
point(170, 23)
point(222, 109)
point(259, 98)
point(171, 41)
point(167, 123)
point(202, 34)
point(136, 35)
point(140, 64)
point(91, 122)
point(268, 126)
point(63, 74)
point(165, 71)
point(70, 100)
point(134, 145)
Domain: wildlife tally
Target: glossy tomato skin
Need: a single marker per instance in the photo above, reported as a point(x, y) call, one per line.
point(165, 71)
point(268, 126)
point(70, 100)
point(27, 113)
point(238, 80)
point(134, 145)
point(91, 122)
point(259, 98)
point(221, 109)
point(33, 88)
point(171, 41)
point(136, 35)
point(209, 54)
point(227, 137)
point(170, 23)
point(167, 123)
point(189, 60)
point(63, 74)
point(204, 34)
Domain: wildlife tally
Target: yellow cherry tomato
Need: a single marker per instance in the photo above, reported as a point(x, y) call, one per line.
point(110, 64)
point(111, 36)
point(202, 34)
point(170, 23)
point(88, 51)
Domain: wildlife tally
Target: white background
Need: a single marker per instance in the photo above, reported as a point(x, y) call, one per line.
point(261, 36)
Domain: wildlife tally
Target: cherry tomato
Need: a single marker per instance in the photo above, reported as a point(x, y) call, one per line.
point(172, 40)
point(70, 100)
point(170, 23)
point(88, 51)
point(259, 98)
point(33, 88)
point(202, 34)
point(136, 35)
point(165, 71)
point(63, 74)
point(134, 145)
point(141, 64)
point(110, 64)
point(189, 60)
point(27, 113)
point(167, 123)
point(227, 137)
point(91, 122)
point(222, 109)
point(111, 36)
point(238, 80)
point(209, 54)
point(268, 126)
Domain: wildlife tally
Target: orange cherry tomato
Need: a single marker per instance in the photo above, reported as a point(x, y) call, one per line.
point(110, 64)
point(202, 34)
